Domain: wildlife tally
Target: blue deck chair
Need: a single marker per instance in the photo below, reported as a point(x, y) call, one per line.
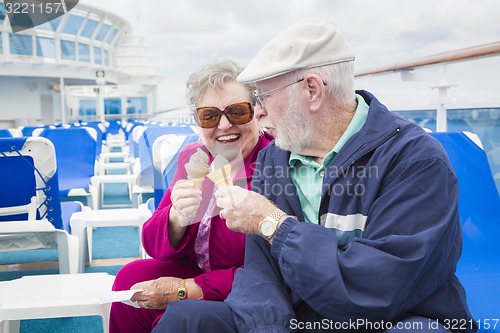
point(145, 149)
point(5, 133)
point(479, 210)
point(114, 127)
point(133, 140)
point(101, 126)
point(130, 139)
point(11, 132)
point(76, 156)
point(146, 177)
point(99, 132)
point(130, 127)
point(28, 130)
point(30, 210)
point(166, 150)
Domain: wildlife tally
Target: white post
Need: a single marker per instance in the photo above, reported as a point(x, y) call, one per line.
point(100, 104)
point(442, 87)
point(441, 117)
point(157, 101)
point(63, 102)
point(123, 100)
point(100, 81)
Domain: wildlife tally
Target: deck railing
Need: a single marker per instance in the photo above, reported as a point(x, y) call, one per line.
point(406, 69)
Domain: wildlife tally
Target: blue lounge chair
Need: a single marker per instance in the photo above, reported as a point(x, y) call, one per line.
point(479, 210)
point(76, 158)
point(30, 210)
point(166, 150)
point(146, 179)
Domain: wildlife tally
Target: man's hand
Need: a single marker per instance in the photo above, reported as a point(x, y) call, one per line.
point(243, 209)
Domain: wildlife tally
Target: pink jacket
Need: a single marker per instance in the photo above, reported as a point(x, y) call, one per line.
point(227, 247)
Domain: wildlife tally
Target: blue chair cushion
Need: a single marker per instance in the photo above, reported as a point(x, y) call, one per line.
point(75, 153)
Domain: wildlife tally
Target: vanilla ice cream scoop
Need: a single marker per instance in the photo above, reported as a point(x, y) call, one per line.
point(197, 167)
point(198, 161)
point(218, 163)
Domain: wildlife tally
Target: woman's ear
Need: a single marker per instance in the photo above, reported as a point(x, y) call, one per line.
point(316, 91)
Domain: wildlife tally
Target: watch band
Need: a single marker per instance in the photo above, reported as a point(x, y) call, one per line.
point(182, 291)
point(275, 216)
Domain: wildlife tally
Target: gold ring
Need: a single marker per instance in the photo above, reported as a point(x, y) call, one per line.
point(145, 305)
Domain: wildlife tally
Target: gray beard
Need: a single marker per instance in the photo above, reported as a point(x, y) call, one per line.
point(295, 129)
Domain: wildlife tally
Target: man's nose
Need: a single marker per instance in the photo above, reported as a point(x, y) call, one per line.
point(260, 112)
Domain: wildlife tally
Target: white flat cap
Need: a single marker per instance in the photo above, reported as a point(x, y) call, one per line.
point(309, 43)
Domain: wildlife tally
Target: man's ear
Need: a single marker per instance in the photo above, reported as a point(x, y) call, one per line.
point(316, 91)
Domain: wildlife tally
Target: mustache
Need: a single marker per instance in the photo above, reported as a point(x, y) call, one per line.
point(264, 124)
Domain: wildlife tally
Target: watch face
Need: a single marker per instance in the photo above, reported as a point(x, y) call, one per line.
point(267, 228)
point(182, 294)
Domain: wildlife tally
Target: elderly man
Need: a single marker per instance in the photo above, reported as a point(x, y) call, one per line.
point(353, 221)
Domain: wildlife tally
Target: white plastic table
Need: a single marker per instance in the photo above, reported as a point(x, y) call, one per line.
point(82, 221)
point(53, 296)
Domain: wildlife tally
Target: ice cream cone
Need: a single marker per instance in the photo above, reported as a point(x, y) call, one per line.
point(197, 182)
point(197, 167)
point(222, 177)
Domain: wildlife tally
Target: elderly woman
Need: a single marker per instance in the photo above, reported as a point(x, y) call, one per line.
point(195, 257)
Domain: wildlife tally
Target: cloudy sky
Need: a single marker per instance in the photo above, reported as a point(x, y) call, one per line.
point(182, 35)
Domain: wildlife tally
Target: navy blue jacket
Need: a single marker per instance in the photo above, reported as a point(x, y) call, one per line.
point(386, 248)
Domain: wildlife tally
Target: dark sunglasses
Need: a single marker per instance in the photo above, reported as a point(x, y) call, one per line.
point(237, 114)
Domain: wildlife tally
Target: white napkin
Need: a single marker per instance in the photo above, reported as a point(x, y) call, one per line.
point(123, 296)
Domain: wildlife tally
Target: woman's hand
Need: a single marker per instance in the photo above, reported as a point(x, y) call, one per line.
point(186, 200)
point(158, 293)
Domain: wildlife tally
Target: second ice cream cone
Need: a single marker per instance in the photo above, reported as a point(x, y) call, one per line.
point(222, 177)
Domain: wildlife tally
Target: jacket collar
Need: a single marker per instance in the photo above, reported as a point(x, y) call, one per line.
point(379, 127)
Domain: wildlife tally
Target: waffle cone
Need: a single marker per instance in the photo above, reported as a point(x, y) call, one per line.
point(197, 182)
point(218, 176)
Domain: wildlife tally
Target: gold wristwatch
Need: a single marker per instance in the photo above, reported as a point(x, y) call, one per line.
point(182, 291)
point(268, 226)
